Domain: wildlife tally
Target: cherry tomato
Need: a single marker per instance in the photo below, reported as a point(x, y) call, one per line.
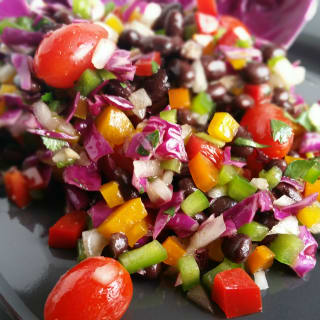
point(64, 54)
point(98, 288)
point(257, 122)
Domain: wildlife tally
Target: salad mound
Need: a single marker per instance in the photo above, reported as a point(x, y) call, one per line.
point(178, 137)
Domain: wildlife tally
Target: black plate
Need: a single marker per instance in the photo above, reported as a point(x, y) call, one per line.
point(30, 269)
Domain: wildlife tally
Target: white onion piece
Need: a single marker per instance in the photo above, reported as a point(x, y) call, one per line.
point(231, 82)
point(315, 229)
point(201, 119)
point(242, 34)
point(139, 27)
point(97, 11)
point(64, 155)
point(283, 201)
point(261, 280)
point(191, 50)
point(202, 39)
point(260, 183)
point(7, 71)
point(105, 274)
point(147, 168)
point(198, 295)
point(140, 99)
point(299, 75)
point(288, 225)
point(209, 231)
point(167, 177)
point(45, 116)
point(186, 130)
point(93, 242)
point(102, 53)
point(157, 191)
point(314, 115)
point(112, 34)
point(217, 192)
point(151, 13)
point(200, 80)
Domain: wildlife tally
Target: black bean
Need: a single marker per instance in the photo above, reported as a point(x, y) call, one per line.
point(217, 91)
point(262, 157)
point(157, 85)
point(159, 23)
point(266, 218)
point(214, 69)
point(185, 116)
point(173, 24)
point(256, 73)
point(121, 176)
point(200, 217)
point(62, 16)
point(129, 39)
point(284, 189)
point(118, 244)
point(241, 151)
point(220, 205)
point(294, 154)
point(202, 258)
point(187, 186)
point(189, 19)
point(185, 172)
point(163, 44)
point(243, 133)
point(243, 102)
point(272, 51)
point(237, 247)
point(152, 272)
point(181, 72)
point(115, 88)
point(280, 163)
point(128, 192)
point(268, 239)
point(280, 96)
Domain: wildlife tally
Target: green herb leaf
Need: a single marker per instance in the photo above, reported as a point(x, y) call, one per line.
point(154, 67)
point(244, 43)
point(54, 144)
point(249, 143)
point(141, 191)
point(108, 7)
point(123, 85)
point(280, 131)
point(63, 164)
point(308, 170)
point(106, 75)
point(220, 33)
point(160, 31)
point(303, 120)
point(142, 151)
point(47, 97)
point(171, 211)
point(154, 138)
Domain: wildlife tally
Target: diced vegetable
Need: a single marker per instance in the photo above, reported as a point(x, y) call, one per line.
point(65, 233)
point(88, 81)
point(205, 136)
point(80, 251)
point(111, 194)
point(143, 257)
point(114, 22)
point(309, 216)
point(195, 203)
point(82, 8)
point(172, 165)
point(208, 7)
point(223, 126)
point(169, 115)
point(203, 172)
point(175, 250)
point(146, 65)
point(226, 174)
point(236, 293)
point(139, 230)
point(260, 93)
point(260, 259)
point(179, 98)
point(311, 188)
point(240, 188)
point(256, 231)
point(202, 103)
point(189, 272)
point(214, 250)
point(206, 24)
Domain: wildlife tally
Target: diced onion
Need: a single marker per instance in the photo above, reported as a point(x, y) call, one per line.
point(158, 191)
point(151, 13)
point(288, 225)
point(167, 177)
point(260, 183)
point(283, 201)
point(139, 27)
point(98, 10)
point(202, 39)
point(93, 242)
point(141, 101)
point(45, 116)
point(102, 53)
point(261, 280)
point(186, 130)
point(314, 115)
point(191, 50)
point(200, 81)
point(64, 155)
point(147, 168)
point(217, 192)
point(315, 229)
point(232, 82)
point(7, 71)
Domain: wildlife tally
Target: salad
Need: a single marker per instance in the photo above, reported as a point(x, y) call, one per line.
point(176, 133)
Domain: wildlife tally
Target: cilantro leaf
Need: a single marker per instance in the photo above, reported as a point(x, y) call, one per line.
point(63, 164)
point(154, 138)
point(308, 170)
point(142, 151)
point(171, 211)
point(154, 67)
point(47, 97)
point(303, 120)
point(249, 143)
point(54, 144)
point(244, 43)
point(280, 131)
point(123, 85)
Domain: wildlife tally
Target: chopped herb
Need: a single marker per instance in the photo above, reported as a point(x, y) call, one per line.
point(244, 43)
point(171, 211)
point(54, 144)
point(142, 151)
point(54, 106)
point(155, 67)
point(220, 33)
point(303, 120)
point(160, 31)
point(63, 164)
point(106, 75)
point(141, 191)
point(154, 138)
point(108, 7)
point(308, 170)
point(123, 85)
point(280, 131)
point(249, 143)
point(151, 179)
point(47, 97)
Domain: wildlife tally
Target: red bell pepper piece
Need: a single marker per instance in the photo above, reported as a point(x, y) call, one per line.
point(207, 6)
point(236, 293)
point(17, 189)
point(259, 92)
point(67, 230)
point(144, 64)
point(210, 151)
point(206, 23)
point(35, 180)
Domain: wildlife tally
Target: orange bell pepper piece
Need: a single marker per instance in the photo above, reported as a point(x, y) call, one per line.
point(123, 218)
point(175, 250)
point(179, 98)
point(114, 125)
point(223, 126)
point(261, 258)
point(203, 172)
point(214, 251)
point(311, 188)
point(139, 230)
point(290, 159)
point(111, 194)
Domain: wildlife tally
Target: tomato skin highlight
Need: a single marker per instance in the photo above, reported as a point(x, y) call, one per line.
point(79, 296)
point(64, 54)
point(257, 121)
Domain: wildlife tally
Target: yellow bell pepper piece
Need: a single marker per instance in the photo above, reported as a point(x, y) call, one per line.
point(2, 106)
point(179, 98)
point(82, 109)
point(309, 216)
point(215, 252)
point(114, 22)
point(111, 194)
point(223, 126)
point(290, 159)
point(123, 218)
point(139, 230)
point(135, 15)
point(311, 188)
point(8, 88)
point(114, 125)
point(238, 64)
point(175, 250)
point(260, 259)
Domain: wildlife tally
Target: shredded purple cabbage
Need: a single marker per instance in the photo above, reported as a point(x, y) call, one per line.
point(21, 63)
point(13, 9)
point(310, 142)
point(183, 225)
point(99, 212)
point(116, 101)
point(9, 118)
point(73, 107)
point(17, 37)
point(299, 186)
point(77, 198)
point(229, 161)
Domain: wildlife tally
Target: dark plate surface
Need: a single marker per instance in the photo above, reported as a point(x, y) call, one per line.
point(30, 269)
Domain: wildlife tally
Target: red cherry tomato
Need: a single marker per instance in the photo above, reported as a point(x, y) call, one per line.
point(98, 288)
point(257, 122)
point(64, 54)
